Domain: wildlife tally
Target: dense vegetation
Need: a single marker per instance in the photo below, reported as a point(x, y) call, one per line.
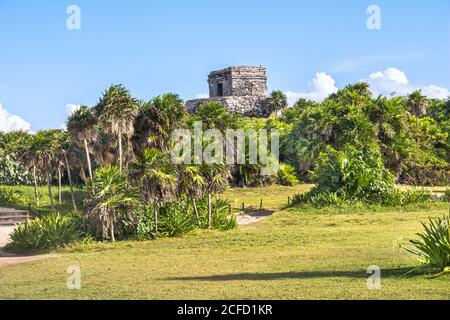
point(353, 147)
point(411, 135)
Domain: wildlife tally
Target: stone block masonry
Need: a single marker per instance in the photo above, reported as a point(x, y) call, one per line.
point(242, 90)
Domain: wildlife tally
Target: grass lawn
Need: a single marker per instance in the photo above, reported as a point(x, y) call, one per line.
point(290, 255)
point(44, 200)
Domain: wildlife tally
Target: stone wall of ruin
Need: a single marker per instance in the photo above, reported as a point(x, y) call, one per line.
point(244, 91)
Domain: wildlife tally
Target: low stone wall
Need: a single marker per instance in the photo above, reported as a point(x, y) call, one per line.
point(248, 106)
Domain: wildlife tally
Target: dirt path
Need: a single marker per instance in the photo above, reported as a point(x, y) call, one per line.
point(254, 216)
point(4, 235)
point(7, 259)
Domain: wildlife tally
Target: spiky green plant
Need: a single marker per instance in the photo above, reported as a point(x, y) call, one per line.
point(433, 246)
point(12, 196)
point(50, 232)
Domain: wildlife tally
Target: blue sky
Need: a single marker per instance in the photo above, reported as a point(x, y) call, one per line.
point(310, 48)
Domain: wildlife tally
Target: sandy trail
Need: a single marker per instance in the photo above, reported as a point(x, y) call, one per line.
point(7, 259)
point(253, 216)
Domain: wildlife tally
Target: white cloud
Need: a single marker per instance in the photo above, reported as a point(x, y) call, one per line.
point(387, 82)
point(436, 92)
point(10, 122)
point(71, 108)
point(394, 81)
point(320, 88)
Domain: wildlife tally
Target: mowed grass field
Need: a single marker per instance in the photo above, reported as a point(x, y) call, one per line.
point(290, 255)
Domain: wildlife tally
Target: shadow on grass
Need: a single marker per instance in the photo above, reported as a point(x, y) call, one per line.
point(387, 273)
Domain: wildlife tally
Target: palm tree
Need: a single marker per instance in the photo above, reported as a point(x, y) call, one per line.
point(27, 150)
point(66, 146)
point(213, 115)
point(82, 125)
point(156, 120)
point(391, 119)
point(418, 105)
point(41, 153)
point(216, 177)
point(191, 183)
point(59, 169)
point(353, 94)
point(155, 175)
point(105, 148)
point(276, 102)
point(116, 112)
point(110, 199)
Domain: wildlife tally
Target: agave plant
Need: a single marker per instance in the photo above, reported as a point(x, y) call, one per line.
point(433, 246)
point(52, 231)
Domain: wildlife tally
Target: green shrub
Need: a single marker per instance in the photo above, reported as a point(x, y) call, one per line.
point(447, 195)
point(50, 232)
point(143, 227)
point(287, 175)
point(394, 198)
point(176, 219)
point(12, 196)
point(359, 174)
point(353, 178)
point(402, 198)
point(433, 246)
point(325, 199)
point(221, 220)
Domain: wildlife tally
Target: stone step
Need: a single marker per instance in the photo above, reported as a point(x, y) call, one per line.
point(12, 220)
point(12, 213)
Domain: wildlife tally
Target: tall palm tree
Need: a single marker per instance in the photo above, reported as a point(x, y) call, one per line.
point(59, 169)
point(191, 183)
point(28, 150)
point(116, 112)
point(276, 102)
point(105, 148)
point(216, 177)
point(67, 146)
point(418, 105)
point(82, 125)
point(156, 120)
point(42, 150)
point(155, 175)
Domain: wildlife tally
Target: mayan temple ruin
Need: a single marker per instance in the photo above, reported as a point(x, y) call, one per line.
point(242, 90)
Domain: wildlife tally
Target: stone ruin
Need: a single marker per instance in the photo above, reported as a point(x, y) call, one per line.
point(242, 90)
